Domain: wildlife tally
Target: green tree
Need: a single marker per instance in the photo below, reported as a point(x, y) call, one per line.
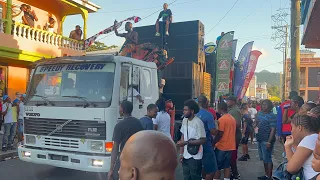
point(274, 90)
point(98, 46)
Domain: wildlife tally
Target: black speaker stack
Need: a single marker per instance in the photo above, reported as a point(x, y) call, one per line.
point(185, 43)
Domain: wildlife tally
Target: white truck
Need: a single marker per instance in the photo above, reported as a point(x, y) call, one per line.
point(72, 107)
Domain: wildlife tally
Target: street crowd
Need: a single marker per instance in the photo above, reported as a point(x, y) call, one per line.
point(210, 140)
point(12, 114)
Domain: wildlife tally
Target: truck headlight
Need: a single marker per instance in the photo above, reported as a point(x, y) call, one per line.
point(30, 139)
point(96, 146)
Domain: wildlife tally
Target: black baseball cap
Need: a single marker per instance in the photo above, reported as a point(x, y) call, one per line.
point(293, 94)
point(298, 99)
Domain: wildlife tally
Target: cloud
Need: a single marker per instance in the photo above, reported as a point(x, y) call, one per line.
point(262, 50)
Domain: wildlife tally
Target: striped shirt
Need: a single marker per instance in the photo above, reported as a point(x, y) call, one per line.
point(265, 122)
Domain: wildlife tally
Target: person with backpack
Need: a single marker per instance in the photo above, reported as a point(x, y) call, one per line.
point(247, 129)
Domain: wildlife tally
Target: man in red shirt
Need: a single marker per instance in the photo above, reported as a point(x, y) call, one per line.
point(287, 113)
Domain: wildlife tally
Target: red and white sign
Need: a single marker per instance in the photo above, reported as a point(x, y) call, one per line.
point(254, 56)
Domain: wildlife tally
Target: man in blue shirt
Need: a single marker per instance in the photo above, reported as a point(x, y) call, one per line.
point(146, 121)
point(218, 38)
point(209, 161)
point(266, 130)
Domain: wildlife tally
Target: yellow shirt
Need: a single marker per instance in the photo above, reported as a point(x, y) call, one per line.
point(15, 114)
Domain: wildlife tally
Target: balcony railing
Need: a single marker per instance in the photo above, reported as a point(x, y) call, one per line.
point(39, 35)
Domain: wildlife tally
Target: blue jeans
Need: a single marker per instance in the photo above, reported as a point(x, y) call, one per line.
point(9, 133)
point(20, 130)
point(264, 153)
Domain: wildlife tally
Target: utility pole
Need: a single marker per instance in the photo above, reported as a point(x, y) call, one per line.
point(8, 21)
point(295, 45)
point(280, 36)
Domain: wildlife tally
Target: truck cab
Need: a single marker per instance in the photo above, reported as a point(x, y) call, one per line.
point(72, 107)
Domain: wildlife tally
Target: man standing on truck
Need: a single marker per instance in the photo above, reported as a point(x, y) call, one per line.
point(131, 39)
point(121, 133)
point(166, 16)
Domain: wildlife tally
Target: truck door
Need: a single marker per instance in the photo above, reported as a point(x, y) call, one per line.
point(146, 88)
point(130, 88)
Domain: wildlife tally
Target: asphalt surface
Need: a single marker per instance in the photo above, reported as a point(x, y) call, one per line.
point(15, 169)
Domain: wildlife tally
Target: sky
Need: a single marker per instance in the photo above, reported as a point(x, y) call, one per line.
point(250, 19)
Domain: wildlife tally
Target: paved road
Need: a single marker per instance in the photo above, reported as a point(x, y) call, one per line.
point(17, 170)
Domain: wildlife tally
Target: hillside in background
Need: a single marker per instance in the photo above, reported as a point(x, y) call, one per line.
point(272, 79)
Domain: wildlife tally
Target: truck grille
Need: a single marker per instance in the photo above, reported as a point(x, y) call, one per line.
point(95, 130)
point(57, 142)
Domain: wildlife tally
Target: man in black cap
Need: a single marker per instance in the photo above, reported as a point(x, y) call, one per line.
point(236, 113)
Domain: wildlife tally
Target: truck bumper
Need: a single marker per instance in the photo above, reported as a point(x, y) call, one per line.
point(65, 159)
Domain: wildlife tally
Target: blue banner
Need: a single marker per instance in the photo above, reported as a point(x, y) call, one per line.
point(241, 68)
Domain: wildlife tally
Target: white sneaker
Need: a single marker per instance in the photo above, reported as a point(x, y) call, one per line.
point(167, 33)
point(158, 34)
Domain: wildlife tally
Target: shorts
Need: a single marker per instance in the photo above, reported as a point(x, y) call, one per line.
point(209, 162)
point(245, 139)
point(223, 159)
point(265, 154)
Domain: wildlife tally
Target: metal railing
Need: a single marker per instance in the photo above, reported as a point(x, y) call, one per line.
point(39, 35)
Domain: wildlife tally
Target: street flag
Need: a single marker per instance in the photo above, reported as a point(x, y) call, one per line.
point(88, 42)
point(241, 66)
point(254, 56)
point(234, 48)
point(224, 57)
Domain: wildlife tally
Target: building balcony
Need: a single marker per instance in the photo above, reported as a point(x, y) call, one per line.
point(33, 40)
point(22, 42)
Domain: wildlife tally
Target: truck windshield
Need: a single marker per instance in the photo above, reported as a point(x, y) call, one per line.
point(60, 84)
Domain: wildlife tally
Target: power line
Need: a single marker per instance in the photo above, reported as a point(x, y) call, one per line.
point(146, 8)
point(279, 62)
point(234, 4)
point(140, 20)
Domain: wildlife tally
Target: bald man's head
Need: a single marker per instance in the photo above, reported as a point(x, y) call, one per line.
point(148, 155)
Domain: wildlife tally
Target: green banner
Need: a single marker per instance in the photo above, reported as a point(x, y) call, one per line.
point(223, 65)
